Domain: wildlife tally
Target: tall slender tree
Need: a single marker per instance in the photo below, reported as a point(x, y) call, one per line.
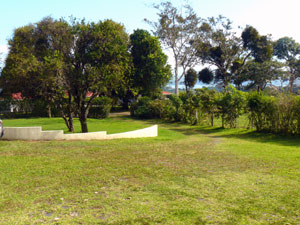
point(220, 48)
point(288, 50)
point(178, 28)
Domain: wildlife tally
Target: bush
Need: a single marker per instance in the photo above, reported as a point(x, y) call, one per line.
point(141, 108)
point(262, 111)
point(100, 107)
point(208, 104)
point(39, 108)
point(146, 108)
point(230, 106)
point(178, 114)
point(279, 114)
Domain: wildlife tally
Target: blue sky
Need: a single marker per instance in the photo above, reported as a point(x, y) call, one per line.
point(277, 17)
point(269, 16)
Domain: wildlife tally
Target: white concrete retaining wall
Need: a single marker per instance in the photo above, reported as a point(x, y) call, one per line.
point(36, 133)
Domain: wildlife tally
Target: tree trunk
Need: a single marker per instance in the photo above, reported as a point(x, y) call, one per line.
point(84, 111)
point(176, 79)
point(83, 123)
point(49, 111)
point(67, 114)
point(176, 87)
point(212, 119)
point(291, 83)
point(69, 123)
point(70, 114)
point(125, 105)
point(223, 122)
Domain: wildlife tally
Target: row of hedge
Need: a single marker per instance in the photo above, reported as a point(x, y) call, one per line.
point(277, 114)
point(100, 108)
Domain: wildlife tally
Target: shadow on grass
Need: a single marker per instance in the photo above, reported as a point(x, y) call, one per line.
point(252, 135)
point(218, 132)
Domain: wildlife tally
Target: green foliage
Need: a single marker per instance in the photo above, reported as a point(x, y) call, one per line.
point(178, 28)
point(102, 59)
point(35, 64)
point(191, 108)
point(260, 47)
point(178, 105)
point(206, 76)
point(51, 58)
point(151, 71)
point(208, 102)
point(288, 50)
point(261, 110)
point(141, 108)
point(190, 79)
point(260, 74)
point(274, 114)
point(100, 107)
point(230, 105)
point(220, 48)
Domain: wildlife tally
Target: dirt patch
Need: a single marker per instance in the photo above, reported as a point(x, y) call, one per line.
point(118, 114)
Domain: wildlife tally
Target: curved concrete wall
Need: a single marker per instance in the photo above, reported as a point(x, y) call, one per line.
point(36, 133)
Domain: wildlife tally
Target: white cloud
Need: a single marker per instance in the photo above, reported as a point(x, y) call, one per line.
point(3, 52)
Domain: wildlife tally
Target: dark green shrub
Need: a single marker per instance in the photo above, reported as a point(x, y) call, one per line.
point(286, 114)
point(230, 106)
point(100, 107)
point(178, 114)
point(262, 111)
point(141, 108)
point(296, 109)
point(208, 106)
point(39, 107)
point(163, 109)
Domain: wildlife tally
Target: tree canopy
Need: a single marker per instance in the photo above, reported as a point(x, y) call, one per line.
point(288, 50)
point(52, 58)
point(178, 28)
point(151, 71)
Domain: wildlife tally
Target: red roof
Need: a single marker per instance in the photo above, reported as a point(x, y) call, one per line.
point(89, 94)
point(166, 93)
point(17, 96)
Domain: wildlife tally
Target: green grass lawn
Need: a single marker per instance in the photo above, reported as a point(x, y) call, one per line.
point(187, 175)
point(111, 125)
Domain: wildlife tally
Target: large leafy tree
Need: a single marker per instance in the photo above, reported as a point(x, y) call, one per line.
point(35, 66)
point(228, 54)
point(259, 75)
point(256, 46)
point(219, 49)
point(178, 28)
point(21, 65)
point(97, 63)
point(52, 58)
point(255, 67)
point(151, 71)
point(288, 50)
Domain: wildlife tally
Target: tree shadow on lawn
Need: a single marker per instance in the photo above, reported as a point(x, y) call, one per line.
point(218, 132)
point(252, 135)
